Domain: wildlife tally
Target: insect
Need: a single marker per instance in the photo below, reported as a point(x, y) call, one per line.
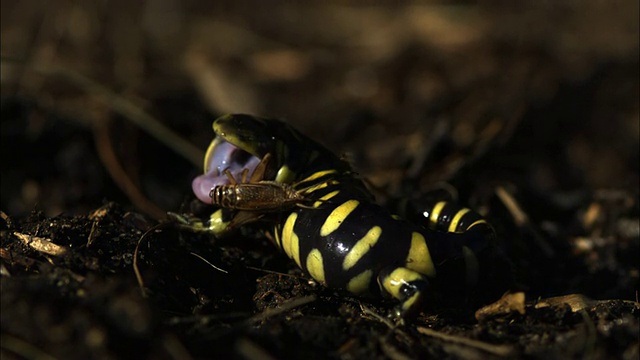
point(257, 194)
point(341, 237)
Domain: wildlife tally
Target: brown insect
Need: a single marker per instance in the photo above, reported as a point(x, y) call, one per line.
point(256, 194)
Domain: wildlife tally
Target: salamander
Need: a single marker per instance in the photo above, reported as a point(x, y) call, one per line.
point(341, 237)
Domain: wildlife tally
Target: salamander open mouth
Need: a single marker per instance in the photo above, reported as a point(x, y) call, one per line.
point(221, 156)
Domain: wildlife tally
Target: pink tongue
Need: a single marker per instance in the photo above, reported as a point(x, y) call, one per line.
point(203, 184)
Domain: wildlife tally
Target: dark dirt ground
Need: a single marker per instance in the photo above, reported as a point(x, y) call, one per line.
point(529, 111)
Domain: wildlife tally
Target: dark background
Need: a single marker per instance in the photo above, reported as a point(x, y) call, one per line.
point(537, 98)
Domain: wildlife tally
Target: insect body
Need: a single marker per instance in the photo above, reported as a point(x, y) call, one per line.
point(340, 236)
point(264, 196)
point(257, 194)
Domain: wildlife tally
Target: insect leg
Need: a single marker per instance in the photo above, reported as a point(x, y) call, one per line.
point(243, 175)
point(232, 180)
point(258, 173)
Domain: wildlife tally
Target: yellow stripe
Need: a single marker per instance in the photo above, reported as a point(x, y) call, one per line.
point(360, 283)
point(435, 213)
point(287, 231)
point(456, 219)
point(361, 247)
point(419, 258)
point(337, 216)
point(315, 265)
point(325, 198)
point(319, 186)
point(318, 174)
point(295, 248)
point(482, 221)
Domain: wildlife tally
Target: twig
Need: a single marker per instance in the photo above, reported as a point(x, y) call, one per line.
point(208, 262)
point(122, 106)
point(41, 244)
point(499, 350)
point(391, 351)
point(393, 327)
point(286, 306)
point(273, 272)
point(119, 175)
point(367, 311)
point(22, 348)
point(136, 270)
point(522, 220)
point(519, 216)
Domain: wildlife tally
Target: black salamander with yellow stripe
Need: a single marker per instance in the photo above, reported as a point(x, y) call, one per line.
point(334, 231)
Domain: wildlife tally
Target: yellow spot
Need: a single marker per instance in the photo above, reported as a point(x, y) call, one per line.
point(435, 213)
point(477, 222)
point(398, 277)
point(325, 198)
point(410, 302)
point(315, 265)
point(319, 174)
point(456, 219)
point(337, 216)
point(396, 217)
point(216, 224)
point(288, 234)
point(285, 175)
point(361, 247)
point(419, 258)
point(360, 283)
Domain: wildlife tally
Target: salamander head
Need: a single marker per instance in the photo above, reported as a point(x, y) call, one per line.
point(240, 143)
point(236, 146)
